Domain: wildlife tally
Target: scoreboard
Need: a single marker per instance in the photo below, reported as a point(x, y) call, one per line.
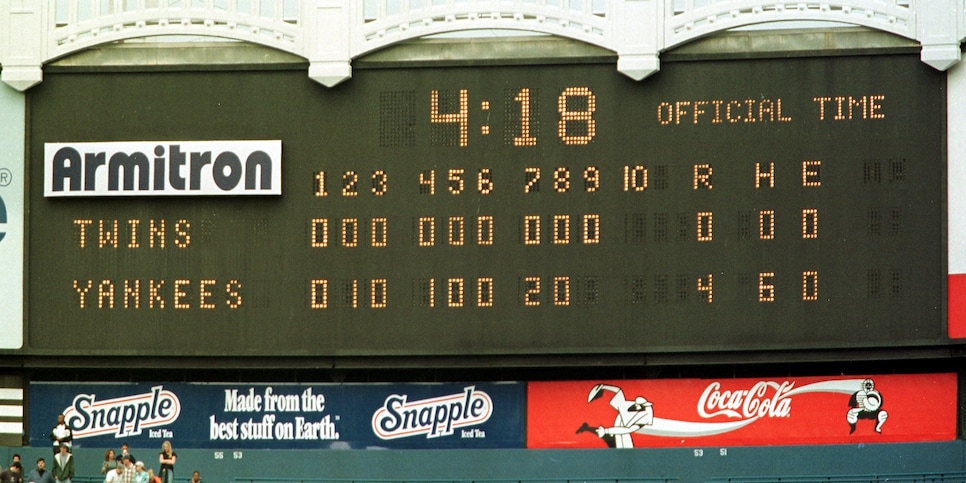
point(484, 210)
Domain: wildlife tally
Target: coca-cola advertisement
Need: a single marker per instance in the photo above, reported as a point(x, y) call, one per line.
point(741, 412)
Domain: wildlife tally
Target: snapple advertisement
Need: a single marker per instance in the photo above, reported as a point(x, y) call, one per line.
point(284, 416)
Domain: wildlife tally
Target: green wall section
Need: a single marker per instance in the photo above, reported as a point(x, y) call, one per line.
point(620, 466)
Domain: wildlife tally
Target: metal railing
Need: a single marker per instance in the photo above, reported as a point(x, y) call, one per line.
point(643, 479)
point(100, 479)
point(939, 477)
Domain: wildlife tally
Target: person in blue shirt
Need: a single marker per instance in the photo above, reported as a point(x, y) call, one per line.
point(141, 475)
point(40, 474)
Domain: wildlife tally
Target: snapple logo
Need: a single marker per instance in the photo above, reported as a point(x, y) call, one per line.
point(123, 416)
point(434, 417)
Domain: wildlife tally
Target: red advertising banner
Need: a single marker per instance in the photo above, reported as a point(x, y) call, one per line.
point(956, 305)
point(741, 412)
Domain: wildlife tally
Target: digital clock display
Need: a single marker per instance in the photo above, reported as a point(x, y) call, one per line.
point(540, 209)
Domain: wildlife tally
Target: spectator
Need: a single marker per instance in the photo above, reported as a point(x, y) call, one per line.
point(124, 452)
point(13, 474)
point(114, 476)
point(40, 474)
point(61, 434)
point(142, 475)
point(109, 462)
point(167, 458)
point(63, 466)
point(195, 477)
point(127, 473)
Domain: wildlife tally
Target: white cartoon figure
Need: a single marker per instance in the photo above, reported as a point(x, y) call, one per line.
point(632, 416)
point(866, 403)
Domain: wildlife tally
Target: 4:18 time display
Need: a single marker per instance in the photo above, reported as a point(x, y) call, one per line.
point(575, 123)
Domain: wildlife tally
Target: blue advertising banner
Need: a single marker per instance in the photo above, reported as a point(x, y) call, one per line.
point(283, 416)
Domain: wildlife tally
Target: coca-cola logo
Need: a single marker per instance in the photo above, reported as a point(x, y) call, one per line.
point(765, 399)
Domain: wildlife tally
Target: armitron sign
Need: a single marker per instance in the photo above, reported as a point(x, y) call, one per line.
point(174, 168)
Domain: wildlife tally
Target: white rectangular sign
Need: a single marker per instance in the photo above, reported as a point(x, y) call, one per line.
point(163, 168)
point(12, 112)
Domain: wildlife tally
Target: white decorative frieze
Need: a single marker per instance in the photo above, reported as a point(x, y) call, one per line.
point(331, 33)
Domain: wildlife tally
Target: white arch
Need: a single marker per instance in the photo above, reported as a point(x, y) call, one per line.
point(583, 25)
point(891, 16)
point(75, 35)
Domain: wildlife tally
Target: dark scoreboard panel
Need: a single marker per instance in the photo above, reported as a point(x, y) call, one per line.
point(540, 209)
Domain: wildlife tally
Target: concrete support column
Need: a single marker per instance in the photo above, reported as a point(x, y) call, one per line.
point(327, 30)
point(938, 30)
point(638, 36)
point(23, 40)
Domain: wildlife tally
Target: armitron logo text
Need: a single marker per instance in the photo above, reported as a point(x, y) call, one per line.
point(124, 416)
point(435, 417)
point(749, 403)
point(174, 168)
